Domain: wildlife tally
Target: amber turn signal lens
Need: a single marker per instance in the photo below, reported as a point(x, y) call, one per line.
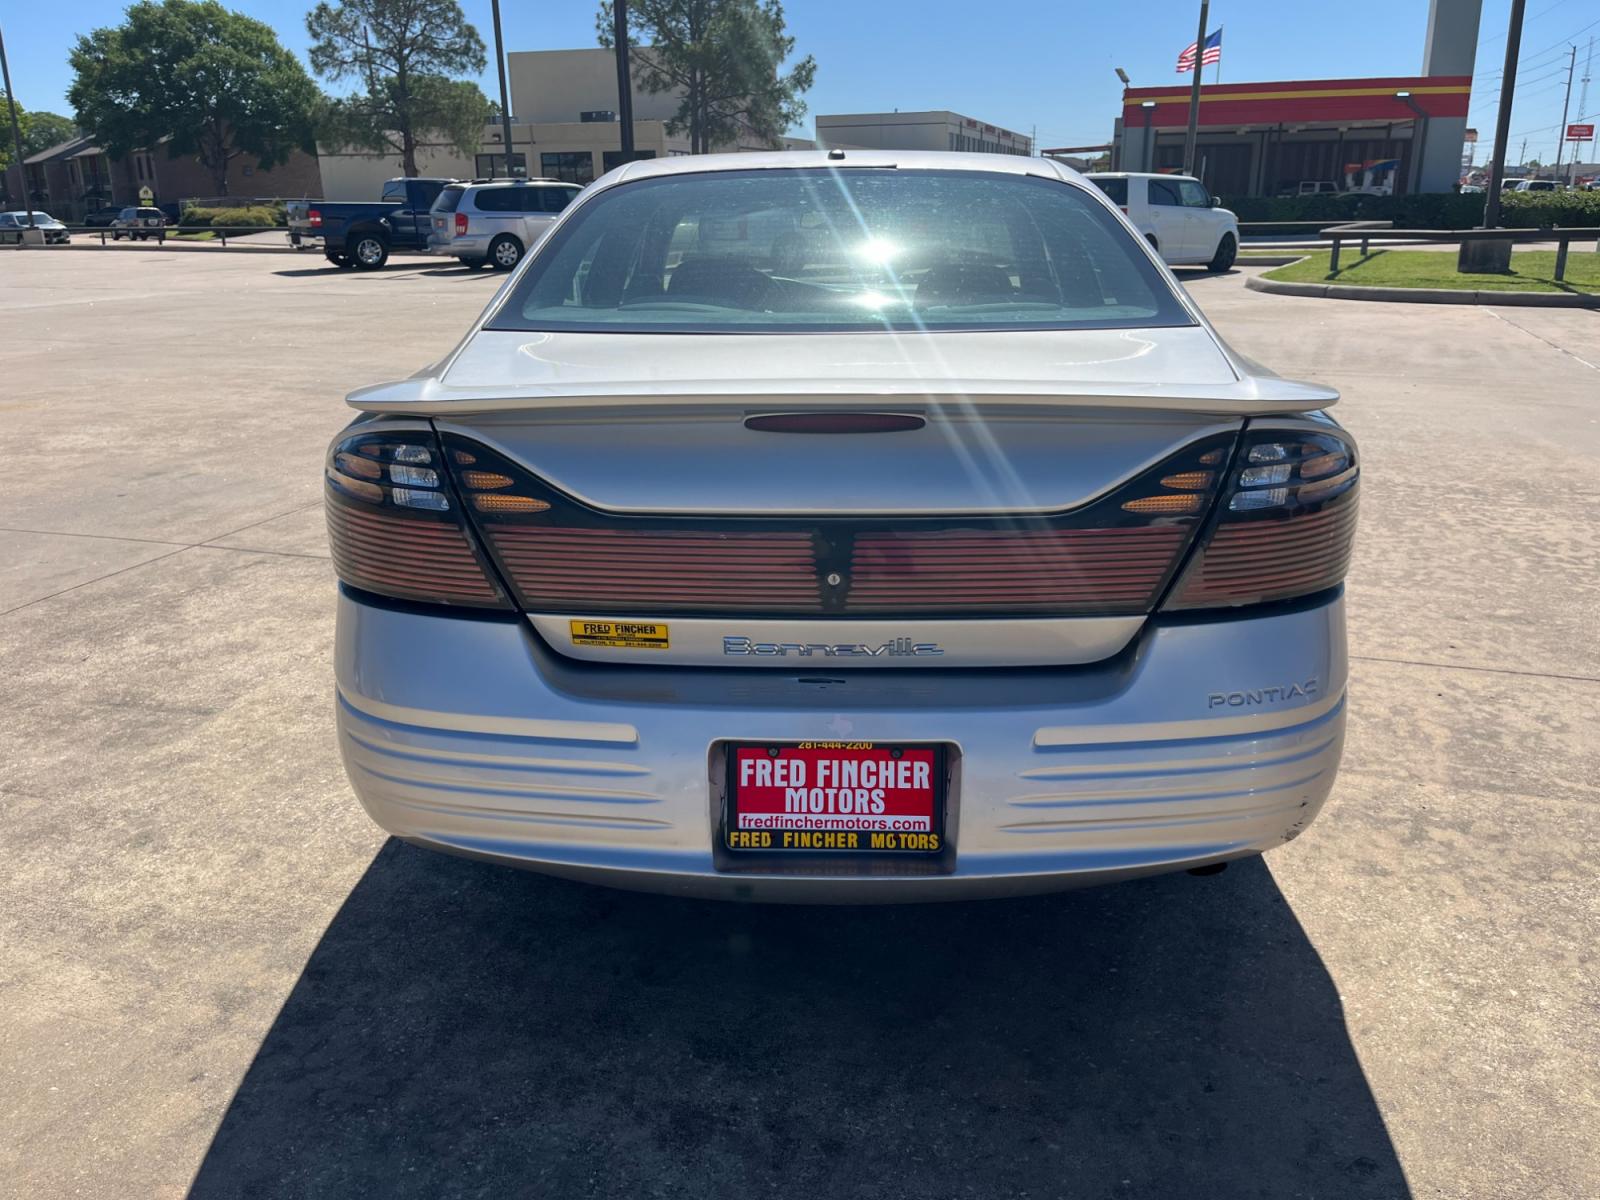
point(1212, 457)
point(510, 504)
point(465, 459)
point(354, 464)
point(1166, 505)
point(1187, 479)
point(478, 480)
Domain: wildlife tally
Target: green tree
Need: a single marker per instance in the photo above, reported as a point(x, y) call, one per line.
point(216, 84)
point(8, 154)
point(404, 53)
point(41, 130)
point(724, 58)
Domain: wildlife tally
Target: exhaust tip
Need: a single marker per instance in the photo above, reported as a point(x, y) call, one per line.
point(1209, 869)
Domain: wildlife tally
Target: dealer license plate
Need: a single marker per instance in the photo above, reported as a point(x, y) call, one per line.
point(835, 797)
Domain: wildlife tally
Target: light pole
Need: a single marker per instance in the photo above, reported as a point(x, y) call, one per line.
point(1193, 134)
point(619, 32)
point(1502, 123)
point(16, 130)
point(505, 97)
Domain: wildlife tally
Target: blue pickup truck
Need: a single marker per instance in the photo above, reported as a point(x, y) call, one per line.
point(361, 234)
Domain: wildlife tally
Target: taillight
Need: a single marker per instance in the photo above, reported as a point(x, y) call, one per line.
point(461, 224)
point(314, 218)
point(395, 526)
point(1114, 556)
point(1284, 527)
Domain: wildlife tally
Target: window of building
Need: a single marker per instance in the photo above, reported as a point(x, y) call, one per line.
point(569, 166)
point(493, 166)
point(612, 159)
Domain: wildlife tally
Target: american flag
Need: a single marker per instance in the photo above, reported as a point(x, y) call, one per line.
point(1213, 53)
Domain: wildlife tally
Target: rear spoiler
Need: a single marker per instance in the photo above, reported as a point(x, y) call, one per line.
point(1252, 395)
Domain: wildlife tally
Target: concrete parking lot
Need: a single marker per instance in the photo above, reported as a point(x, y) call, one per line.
point(217, 979)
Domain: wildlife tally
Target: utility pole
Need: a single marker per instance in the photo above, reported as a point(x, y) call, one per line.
point(619, 34)
point(1502, 123)
point(505, 97)
point(16, 130)
point(1561, 138)
point(1194, 92)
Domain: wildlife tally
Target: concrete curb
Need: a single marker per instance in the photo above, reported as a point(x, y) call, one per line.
point(1346, 291)
point(1271, 260)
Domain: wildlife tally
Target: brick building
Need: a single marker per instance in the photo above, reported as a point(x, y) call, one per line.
point(77, 176)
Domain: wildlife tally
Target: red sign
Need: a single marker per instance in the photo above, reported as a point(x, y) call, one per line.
point(861, 796)
point(1580, 133)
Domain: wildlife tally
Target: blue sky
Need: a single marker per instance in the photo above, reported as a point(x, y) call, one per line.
point(1024, 64)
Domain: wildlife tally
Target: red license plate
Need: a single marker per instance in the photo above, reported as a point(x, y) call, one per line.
point(845, 797)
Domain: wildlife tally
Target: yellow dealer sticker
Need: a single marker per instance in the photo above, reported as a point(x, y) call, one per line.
point(620, 635)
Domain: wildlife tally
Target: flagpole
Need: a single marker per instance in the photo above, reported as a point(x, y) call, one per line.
point(1194, 91)
point(1217, 78)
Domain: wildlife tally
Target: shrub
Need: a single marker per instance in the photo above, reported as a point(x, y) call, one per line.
point(257, 216)
point(1425, 210)
point(1540, 210)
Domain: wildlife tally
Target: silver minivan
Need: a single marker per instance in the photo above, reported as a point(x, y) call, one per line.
point(495, 222)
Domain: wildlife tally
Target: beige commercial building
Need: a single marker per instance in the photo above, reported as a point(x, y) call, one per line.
point(935, 130)
point(564, 126)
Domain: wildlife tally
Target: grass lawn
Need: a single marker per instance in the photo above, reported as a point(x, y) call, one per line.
point(199, 235)
point(1531, 271)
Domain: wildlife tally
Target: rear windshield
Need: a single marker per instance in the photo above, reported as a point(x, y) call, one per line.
point(1116, 189)
point(449, 199)
point(821, 250)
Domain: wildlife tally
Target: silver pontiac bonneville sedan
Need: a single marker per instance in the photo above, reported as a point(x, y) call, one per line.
point(844, 526)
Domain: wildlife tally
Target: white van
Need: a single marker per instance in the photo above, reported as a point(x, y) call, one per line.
point(1186, 224)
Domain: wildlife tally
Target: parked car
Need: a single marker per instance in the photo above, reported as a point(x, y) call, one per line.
point(101, 218)
point(14, 225)
point(1176, 214)
point(1310, 187)
point(961, 557)
point(1472, 189)
point(137, 224)
point(1537, 185)
point(361, 234)
point(496, 222)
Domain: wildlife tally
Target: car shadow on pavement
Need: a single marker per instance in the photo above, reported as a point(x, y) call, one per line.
point(430, 267)
point(471, 1030)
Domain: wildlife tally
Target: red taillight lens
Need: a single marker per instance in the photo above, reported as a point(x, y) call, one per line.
point(395, 526)
point(1284, 528)
point(314, 217)
point(461, 224)
point(1113, 556)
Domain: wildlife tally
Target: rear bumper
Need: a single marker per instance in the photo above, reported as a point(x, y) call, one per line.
point(464, 245)
point(473, 737)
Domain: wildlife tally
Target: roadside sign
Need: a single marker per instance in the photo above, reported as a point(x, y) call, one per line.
point(146, 196)
point(1580, 133)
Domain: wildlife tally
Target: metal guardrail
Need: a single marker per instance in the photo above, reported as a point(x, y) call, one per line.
point(1290, 226)
point(222, 232)
point(1367, 232)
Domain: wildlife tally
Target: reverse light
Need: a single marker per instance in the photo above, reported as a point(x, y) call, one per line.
point(1286, 525)
point(393, 526)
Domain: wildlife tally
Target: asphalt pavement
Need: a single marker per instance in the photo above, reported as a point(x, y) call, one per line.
point(218, 979)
